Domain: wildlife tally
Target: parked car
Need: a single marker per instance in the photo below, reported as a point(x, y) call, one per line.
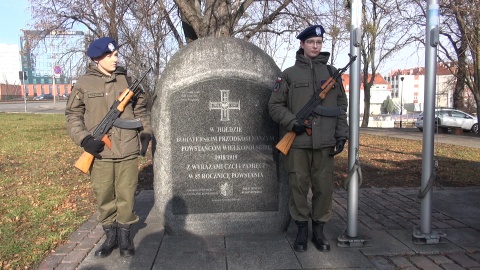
point(43, 97)
point(451, 118)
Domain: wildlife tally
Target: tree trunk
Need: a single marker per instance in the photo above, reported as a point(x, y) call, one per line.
point(366, 108)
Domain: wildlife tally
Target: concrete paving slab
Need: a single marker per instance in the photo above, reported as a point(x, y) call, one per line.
point(469, 195)
point(466, 238)
point(260, 251)
point(156, 250)
point(383, 243)
point(405, 236)
point(457, 210)
point(473, 222)
point(191, 252)
point(336, 258)
point(147, 237)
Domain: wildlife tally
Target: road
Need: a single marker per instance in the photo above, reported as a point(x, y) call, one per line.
point(468, 139)
point(34, 107)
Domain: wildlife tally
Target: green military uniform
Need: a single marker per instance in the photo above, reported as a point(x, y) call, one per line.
point(114, 177)
point(308, 163)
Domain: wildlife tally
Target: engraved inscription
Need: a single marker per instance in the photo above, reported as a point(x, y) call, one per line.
point(223, 164)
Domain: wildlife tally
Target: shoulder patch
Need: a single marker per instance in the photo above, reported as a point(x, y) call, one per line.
point(277, 84)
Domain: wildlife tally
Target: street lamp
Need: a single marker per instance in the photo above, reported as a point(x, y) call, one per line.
point(401, 103)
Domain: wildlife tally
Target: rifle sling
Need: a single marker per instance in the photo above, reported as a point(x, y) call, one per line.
point(327, 111)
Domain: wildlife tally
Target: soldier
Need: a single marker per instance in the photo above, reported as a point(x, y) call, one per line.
point(310, 161)
point(114, 173)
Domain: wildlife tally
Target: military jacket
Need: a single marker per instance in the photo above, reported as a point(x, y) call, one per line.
point(91, 99)
point(294, 88)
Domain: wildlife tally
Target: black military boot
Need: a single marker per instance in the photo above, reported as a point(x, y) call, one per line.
point(300, 244)
point(124, 241)
point(320, 241)
point(110, 242)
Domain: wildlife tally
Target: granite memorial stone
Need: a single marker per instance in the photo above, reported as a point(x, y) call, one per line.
point(215, 164)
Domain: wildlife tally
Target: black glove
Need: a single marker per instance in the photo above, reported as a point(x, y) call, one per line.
point(144, 141)
point(338, 147)
point(93, 146)
point(298, 129)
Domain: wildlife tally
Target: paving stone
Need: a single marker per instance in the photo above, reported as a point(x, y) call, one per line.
point(65, 248)
point(475, 256)
point(87, 243)
point(51, 262)
point(452, 266)
point(75, 257)
point(424, 263)
point(455, 223)
point(440, 259)
point(440, 225)
point(392, 249)
point(88, 226)
point(406, 215)
point(401, 262)
point(66, 266)
point(78, 236)
point(381, 263)
point(463, 260)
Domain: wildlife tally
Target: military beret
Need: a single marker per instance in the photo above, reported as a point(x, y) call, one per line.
point(311, 31)
point(101, 46)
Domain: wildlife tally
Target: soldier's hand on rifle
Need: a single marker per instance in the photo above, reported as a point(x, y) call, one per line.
point(298, 128)
point(93, 146)
point(144, 141)
point(338, 147)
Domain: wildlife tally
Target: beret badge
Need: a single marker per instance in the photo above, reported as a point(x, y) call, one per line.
point(111, 47)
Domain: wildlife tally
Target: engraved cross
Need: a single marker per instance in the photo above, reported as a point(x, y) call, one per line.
point(224, 105)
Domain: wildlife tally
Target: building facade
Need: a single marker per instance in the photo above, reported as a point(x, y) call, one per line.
point(9, 64)
point(409, 86)
point(379, 92)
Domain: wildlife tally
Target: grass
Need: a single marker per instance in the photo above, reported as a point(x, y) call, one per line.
point(394, 162)
point(43, 198)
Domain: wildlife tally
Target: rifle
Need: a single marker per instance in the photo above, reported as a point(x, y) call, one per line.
point(286, 142)
point(85, 161)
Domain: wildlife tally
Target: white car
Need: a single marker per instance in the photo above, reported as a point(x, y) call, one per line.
point(449, 118)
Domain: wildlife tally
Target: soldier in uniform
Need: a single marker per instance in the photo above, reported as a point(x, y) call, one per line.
point(310, 161)
point(114, 173)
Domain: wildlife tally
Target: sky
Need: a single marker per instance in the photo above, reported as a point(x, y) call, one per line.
point(14, 15)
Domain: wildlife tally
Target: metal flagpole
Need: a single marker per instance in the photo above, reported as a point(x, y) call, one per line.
point(423, 234)
point(349, 238)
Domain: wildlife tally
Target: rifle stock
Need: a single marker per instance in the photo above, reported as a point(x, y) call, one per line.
point(84, 162)
point(286, 142)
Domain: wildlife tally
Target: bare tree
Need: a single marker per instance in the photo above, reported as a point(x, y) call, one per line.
point(150, 31)
point(139, 26)
point(385, 32)
point(202, 18)
point(460, 46)
point(335, 18)
point(462, 31)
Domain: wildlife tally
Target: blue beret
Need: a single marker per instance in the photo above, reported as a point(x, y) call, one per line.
point(101, 46)
point(311, 31)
